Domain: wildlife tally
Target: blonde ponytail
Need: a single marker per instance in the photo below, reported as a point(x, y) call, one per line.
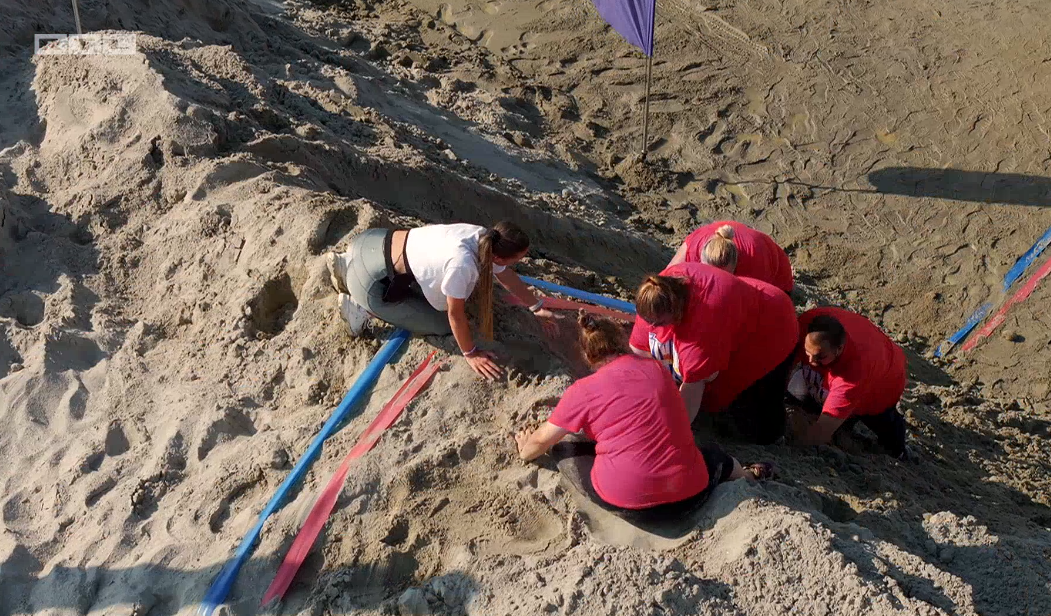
point(720, 250)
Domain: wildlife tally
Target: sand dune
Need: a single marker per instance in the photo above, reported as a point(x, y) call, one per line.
point(169, 343)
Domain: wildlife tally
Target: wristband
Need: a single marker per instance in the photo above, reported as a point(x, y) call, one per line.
point(471, 352)
point(537, 306)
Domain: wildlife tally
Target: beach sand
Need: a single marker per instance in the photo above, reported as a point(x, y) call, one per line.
point(169, 342)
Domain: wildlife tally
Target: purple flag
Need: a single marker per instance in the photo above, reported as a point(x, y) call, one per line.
point(633, 19)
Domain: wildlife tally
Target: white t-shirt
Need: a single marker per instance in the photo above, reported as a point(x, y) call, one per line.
point(444, 259)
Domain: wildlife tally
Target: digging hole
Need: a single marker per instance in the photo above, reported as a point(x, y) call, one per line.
point(837, 509)
point(274, 306)
point(25, 308)
point(397, 534)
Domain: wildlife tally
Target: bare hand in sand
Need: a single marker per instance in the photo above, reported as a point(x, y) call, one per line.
point(548, 320)
point(482, 363)
point(521, 438)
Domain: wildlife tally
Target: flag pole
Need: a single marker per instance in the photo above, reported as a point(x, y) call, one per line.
point(649, 77)
point(76, 17)
point(646, 110)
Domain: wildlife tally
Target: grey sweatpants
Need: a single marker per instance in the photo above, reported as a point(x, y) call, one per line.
point(367, 279)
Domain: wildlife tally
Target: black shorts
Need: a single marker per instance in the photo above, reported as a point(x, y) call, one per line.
point(575, 460)
point(888, 426)
point(758, 414)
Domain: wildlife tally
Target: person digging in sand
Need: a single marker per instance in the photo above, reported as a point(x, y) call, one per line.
point(855, 373)
point(740, 250)
point(420, 280)
point(728, 341)
point(642, 463)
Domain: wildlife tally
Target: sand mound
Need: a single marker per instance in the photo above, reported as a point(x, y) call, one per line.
point(169, 345)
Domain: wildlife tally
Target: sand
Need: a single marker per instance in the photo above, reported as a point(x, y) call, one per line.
point(169, 343)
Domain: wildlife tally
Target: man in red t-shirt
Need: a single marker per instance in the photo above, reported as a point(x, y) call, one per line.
point(740, 250)
point(856, 373)
point(728, 341)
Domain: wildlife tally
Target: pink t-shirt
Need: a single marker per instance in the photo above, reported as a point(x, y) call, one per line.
point(869, 377)
point(646, 455)
point(739, 327)
point(758, 255)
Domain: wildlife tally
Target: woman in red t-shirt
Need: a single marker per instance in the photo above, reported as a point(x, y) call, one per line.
point(643, 463)
point(728, 341)
point(855, 372)
point(740, 250)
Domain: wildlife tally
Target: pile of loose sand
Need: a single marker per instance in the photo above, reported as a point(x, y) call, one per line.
point(169, 345)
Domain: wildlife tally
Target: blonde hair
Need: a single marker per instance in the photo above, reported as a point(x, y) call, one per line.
point(662, 299)
point(601, 339)
point(720, 250)
point(504, 240)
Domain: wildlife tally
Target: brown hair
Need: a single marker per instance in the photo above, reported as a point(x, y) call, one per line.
point(720, 250)
point(662, 299)
point(504, 240)
point(601, 339)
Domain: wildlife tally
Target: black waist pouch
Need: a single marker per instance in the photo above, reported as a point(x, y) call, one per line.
point(398, 287)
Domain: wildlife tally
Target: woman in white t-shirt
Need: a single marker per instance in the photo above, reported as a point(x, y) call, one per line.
point(420, 280)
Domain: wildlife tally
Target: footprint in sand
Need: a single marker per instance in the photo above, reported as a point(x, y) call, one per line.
point(237, 490)
point(526, 40)
point(93, 462)
point(154, 487)
point(886, 137)
point(667, 106)
point(474, 34)
point(96, 493)
point(738, 195)
point(445, 15)
point(229, 424)
point(116, 441)
point(712, 135)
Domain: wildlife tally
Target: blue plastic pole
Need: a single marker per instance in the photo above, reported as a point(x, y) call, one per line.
point(1010, 278)
point(972, 321)
point(594, 298)
point(220, 588)
point(1026, 260)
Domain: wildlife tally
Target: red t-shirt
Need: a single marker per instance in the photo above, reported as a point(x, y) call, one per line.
point(869, 377)
point(645, 451)
point(758, 255)
point(739, 327)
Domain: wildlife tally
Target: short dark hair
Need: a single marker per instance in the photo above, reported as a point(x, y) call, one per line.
point(828, 329)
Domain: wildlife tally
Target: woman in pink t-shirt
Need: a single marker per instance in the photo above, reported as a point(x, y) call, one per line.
point(740, 250)
point(643, 463)
point(728, 341)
